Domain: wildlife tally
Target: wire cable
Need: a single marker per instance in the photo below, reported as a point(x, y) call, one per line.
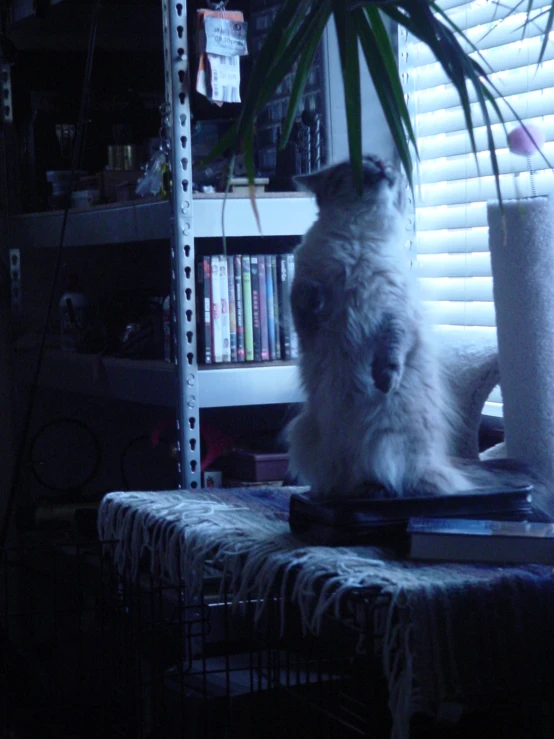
point(79, 134)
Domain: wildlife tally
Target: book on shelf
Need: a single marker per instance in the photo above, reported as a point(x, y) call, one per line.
point(275, 293)
point(204, 308)
point(256, 325)
point(232, 308)
point(481, 540)
point(225, 326)
point(216, 338)
point(285, 317)
point(294, 349)
point(239, 309)
point(243, 308)
point(270, 309)
point(247, 309)
point(264, 324)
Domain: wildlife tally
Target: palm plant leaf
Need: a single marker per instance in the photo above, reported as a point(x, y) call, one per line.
point(547, 30)
point(390, 95)
point(348, 41)
point(391, 67)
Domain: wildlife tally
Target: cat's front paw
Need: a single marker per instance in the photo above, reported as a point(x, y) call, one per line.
point(387, 377)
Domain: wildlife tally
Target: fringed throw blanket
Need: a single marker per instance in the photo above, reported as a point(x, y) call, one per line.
point(453, 632)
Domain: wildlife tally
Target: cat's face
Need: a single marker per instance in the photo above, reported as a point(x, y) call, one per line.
point(383, 185)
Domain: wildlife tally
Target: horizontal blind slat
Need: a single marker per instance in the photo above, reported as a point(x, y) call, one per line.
point(452, 240)
point(536, 103)
point(514, 55)
point(461, 314)
point(476, 264)
point(458, 143)
point(456, 288)
point(466, 167)
point(456, 216)
point(484, 188)
point(511, 82)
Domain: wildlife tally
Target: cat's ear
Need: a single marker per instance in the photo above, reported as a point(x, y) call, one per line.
point(314, 182)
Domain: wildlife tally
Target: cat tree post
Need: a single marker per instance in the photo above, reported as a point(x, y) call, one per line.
point(522, 259)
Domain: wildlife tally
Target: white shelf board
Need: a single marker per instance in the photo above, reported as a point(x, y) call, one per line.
point(221, 386)
point(280, 215)
point(152, 382)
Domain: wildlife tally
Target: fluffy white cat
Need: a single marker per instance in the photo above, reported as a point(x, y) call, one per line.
point(376, 417)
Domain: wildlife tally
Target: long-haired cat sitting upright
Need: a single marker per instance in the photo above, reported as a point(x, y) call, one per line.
point(375, 420)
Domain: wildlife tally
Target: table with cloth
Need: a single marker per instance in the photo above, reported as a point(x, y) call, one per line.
point(451, 630)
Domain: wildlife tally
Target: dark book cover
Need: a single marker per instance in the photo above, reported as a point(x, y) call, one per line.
point(232, 308)
point(275, 288)
point(256, 325)
point(204, 312)
point(264, 324)
point(239, 307)
point(285, 317)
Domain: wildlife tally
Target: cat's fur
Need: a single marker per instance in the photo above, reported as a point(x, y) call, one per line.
point(376, 410)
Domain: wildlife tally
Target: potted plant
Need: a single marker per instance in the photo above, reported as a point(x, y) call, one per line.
point(294, 38)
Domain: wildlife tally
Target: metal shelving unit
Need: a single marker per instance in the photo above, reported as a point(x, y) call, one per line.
point(280, 215)
point(181, 219)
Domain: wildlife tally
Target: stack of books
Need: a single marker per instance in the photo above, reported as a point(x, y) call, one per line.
point(244, 312)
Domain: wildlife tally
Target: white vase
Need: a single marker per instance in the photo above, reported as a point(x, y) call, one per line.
point(522, 261)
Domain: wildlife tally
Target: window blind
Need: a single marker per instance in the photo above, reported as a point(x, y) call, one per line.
point(452, 185)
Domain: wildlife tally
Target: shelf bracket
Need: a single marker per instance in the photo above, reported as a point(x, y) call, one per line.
point(177, 109)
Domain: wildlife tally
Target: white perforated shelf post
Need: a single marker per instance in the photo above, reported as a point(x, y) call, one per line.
point(177, 84)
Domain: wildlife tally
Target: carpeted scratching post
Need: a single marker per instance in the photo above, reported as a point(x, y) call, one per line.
point(522, 260)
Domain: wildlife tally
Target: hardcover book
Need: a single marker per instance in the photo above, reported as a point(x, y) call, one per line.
point(225, 327)
point(239, 307)
point(256, 326)
point(232, 308)
point(264, 323)
point(247, 309)
point(481, 540)
point(217, 340)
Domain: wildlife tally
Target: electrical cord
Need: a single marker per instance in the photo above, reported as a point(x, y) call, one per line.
point(79, 134)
